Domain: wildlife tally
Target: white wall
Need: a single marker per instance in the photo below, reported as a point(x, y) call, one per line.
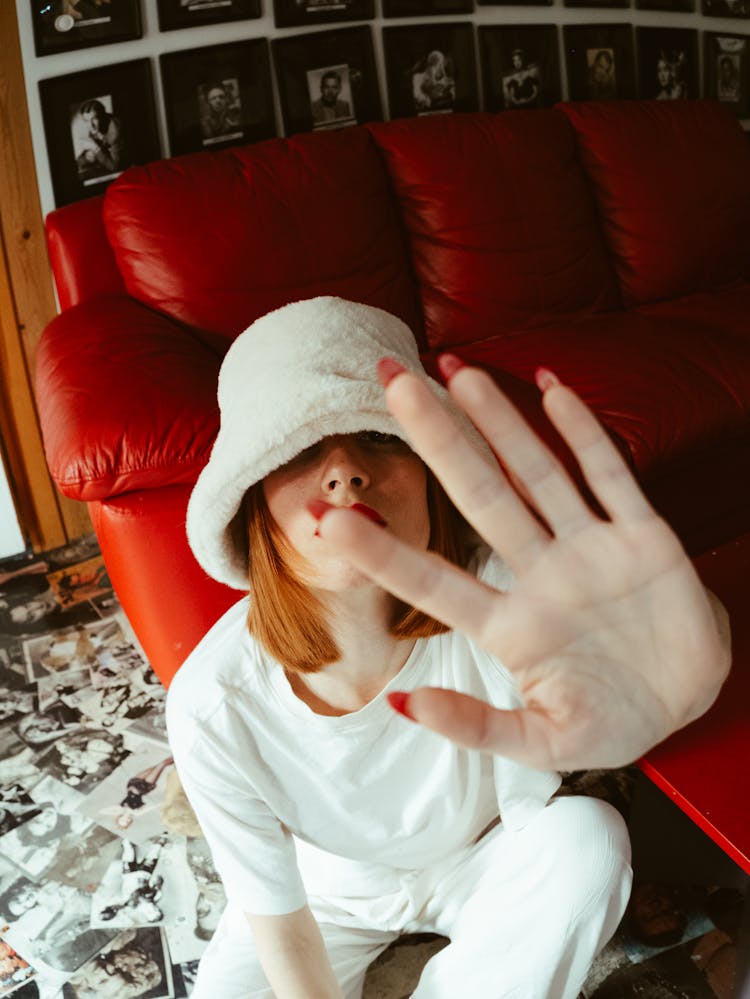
point(154, 42)
point(11, 539)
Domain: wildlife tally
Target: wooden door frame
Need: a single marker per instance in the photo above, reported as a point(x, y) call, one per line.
point(27, 304)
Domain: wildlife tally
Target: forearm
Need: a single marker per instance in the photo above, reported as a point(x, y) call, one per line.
point(293, 956)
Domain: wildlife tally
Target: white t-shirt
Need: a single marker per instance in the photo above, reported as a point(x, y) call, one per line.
point(293, 802)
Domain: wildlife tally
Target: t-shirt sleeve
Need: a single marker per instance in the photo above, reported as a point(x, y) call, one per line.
point(253, 852)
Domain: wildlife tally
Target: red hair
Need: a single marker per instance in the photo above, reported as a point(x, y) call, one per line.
point(290, 621)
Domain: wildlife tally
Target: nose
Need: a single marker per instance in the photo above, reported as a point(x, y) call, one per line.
point(343, 469)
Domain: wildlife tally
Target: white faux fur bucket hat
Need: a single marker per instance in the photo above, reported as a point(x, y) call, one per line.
point(301, 373)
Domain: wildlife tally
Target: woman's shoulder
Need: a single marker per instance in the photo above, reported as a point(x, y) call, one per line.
point(223, 660)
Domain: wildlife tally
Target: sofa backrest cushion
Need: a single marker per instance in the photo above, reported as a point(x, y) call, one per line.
point(672, 184)
point(502, 226)
point(83, 264)
point(216, 240)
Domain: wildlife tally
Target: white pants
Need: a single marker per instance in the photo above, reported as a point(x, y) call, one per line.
point(526, 913)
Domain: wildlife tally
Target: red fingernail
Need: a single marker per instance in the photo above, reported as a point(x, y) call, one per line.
point(545, 379)
point(399, 701)
point(318, 508)
point(388, 369)
point(450, 365)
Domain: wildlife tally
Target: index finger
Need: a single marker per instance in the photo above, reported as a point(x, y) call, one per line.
point(420, 578)
point(475, 483)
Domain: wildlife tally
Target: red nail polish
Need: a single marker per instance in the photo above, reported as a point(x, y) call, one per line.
point(399, 701)
point(450, 365)
point(388, 369)
point(545, 379)
point(318, 508)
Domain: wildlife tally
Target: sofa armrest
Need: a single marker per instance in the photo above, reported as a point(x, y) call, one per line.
point(126, 399)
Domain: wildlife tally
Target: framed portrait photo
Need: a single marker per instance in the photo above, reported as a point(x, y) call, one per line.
point(218, 96)
point(175, 14)
point(667, 63)
point(425, 8)
point(520, 66)
point(327, 79)
point(97, 123)
point(292, 13)
point(726, 70)
point(600, 61)
point(431, 69)
point(726, 8)
point(62, 25)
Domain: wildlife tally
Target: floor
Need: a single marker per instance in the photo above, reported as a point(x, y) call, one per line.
point(99, 899)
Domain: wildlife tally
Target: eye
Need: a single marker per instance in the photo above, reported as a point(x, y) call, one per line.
point(376, 437)
point(304, 456)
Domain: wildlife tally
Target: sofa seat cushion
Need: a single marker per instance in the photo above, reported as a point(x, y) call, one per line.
point(215, 240)
point(672, 182)
point(667, 390)
point(726, 310)
point(126, 399)
point(502, 226)
point(168, 597)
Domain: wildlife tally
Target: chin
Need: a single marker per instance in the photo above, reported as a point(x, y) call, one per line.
point(340, 580)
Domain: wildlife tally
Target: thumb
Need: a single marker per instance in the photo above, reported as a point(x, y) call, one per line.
point(463, 719)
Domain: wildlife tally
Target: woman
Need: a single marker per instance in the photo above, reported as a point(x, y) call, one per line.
point(33, 845)
point(521, 86)
point(84, 758)
point(433, 83)
point(334, 823)
point(39, 728)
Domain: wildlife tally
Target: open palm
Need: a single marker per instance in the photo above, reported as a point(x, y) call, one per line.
point(612, 639)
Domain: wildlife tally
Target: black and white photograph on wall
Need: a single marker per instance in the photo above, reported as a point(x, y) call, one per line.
point(175, 14)
point(600, 61)
point(62, 25)
point(327, 80)
point(293, 13)
point(426, 8)
point(667, 63)
point(726, 8)
point(431, 69)
point(218, 96)
point(97, 123)
point(330, 96)
point(726, 70)
point(520, 66)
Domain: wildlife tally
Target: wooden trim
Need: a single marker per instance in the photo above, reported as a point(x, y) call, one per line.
point(27, 304)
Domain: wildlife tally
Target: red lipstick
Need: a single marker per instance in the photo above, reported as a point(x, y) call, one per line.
point(367, 511)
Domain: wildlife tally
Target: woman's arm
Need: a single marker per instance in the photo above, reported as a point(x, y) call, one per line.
point(293, 956)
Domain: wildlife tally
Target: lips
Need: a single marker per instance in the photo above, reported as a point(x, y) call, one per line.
point(318, 508)
point(367, 511)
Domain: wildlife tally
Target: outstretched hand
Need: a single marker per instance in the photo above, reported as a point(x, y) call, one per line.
point(612, 639)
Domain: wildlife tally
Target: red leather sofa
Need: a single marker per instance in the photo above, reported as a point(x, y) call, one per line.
point(608, 241)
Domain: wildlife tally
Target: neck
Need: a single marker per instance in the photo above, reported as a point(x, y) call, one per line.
point(370, 655)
